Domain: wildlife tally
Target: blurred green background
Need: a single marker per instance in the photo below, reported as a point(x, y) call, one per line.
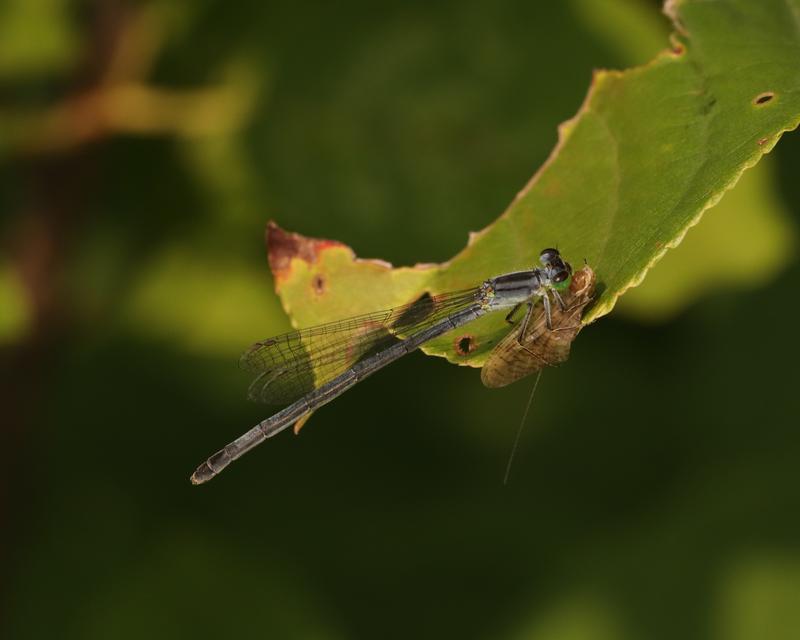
point(143, 148)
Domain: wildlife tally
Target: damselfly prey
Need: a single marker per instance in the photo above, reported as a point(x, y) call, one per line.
point(310, 367)
point(546, 340)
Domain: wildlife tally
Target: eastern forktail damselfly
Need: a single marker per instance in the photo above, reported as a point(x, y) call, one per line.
point(310, 367)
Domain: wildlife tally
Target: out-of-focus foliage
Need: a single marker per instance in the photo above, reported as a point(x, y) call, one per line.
point(138, 168)
point(13, 309)
point(36, 39)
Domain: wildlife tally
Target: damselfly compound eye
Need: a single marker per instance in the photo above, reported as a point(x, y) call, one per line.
point(548, 256)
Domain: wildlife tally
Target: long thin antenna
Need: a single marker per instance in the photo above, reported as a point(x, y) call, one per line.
point(520, 428)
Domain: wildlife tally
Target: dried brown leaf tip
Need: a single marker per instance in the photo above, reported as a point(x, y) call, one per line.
point(283, 246)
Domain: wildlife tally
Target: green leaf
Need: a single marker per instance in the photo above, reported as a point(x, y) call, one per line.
point(744, 241)
point(648, 152)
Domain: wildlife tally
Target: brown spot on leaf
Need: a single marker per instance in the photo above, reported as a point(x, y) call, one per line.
point(283, 246)
point(318, 283)
point(466, 344)
point(763, 98)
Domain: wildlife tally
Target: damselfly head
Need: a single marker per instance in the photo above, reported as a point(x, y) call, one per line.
point(558, 270)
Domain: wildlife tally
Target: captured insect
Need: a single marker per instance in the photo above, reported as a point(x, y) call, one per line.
point(308, 368)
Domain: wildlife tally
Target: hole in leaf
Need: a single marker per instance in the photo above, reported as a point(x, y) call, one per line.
point(466, 344)
point(763, 98)
point(319, 284)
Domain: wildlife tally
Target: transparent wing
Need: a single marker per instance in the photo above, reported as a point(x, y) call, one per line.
point(292, 364)
point(540, 347)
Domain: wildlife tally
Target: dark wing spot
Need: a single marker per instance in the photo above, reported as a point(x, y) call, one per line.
point(420, 309)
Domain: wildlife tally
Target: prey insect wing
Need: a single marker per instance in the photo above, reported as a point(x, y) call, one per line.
point(516, 357)
point(292, 364)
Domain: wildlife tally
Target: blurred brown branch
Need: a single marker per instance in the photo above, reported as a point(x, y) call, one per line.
point(120, 100)
point(131, 108)
point(55, 164)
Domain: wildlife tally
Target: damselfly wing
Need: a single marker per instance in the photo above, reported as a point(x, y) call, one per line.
point(290, 365)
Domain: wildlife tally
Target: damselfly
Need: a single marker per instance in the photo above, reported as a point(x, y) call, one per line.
point(310, 367)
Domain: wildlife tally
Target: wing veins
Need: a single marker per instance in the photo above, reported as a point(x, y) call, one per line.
point(298, 361)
